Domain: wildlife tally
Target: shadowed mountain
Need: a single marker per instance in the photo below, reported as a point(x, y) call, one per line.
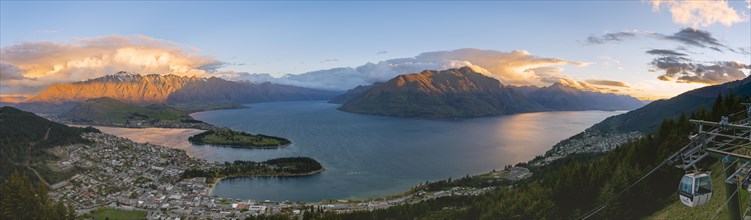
point(647, 119)
point(216, 90)
point(438, 94)
point(352, 94)
point(560, 97)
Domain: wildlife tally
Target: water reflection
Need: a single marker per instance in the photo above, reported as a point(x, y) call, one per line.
point(368, 156)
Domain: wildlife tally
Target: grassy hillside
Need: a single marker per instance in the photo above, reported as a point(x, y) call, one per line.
point(677, 210)
point(109, 110)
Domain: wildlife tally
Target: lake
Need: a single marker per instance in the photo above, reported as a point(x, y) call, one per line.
point(370, 156)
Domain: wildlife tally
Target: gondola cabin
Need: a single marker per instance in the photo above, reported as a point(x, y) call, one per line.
point(695, 189)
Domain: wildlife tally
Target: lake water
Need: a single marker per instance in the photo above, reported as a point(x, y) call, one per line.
point(367, 156)
point(370, 156)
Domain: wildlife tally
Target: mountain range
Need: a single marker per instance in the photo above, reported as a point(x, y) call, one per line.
point(127, 87)
point(464, 92)
point(560, 97)
point(458, 92)
point(165, 89)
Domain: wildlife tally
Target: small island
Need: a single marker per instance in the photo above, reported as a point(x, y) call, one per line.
point(286, 166)
point(227, 137)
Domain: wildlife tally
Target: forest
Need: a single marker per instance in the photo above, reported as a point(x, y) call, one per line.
point(21, 199)
point(24, 137)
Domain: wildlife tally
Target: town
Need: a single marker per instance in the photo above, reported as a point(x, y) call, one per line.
point(121, 174)
point(589, 141)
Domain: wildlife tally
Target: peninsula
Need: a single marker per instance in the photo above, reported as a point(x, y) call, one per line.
point(227, 137)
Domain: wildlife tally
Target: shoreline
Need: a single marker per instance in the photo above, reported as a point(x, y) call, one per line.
point(217, 180)
point(405, 190)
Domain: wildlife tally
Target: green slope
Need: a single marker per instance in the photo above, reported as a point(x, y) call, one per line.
point(109, 110)
point(677, 210)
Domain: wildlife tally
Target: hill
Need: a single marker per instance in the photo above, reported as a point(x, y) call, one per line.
point(439, 94)
point(23, 138)
point(111, 112)
point(646, 119)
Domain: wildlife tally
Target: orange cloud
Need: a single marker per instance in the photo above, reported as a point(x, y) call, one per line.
point(34, 65)
point(700, 13)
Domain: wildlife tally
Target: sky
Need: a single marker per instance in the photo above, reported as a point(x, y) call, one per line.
point(647, 49)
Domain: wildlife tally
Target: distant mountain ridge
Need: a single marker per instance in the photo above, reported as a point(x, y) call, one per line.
point(560, 97)
point(646, 119)
point(352, 93)
point(163, 89)
point(217, 90)
point(458, 92)
point(123, 86)
point(465, 93)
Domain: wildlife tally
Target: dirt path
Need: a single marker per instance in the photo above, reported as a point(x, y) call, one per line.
point(28, 166)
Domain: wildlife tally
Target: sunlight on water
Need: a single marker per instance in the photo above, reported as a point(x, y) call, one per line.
point(367, 156)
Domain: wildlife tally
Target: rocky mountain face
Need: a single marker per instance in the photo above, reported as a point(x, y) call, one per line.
point(123, 86)
point(449, 93)
point(162, 89)
point(216, 90)
point(559, 97)
point(466, 93)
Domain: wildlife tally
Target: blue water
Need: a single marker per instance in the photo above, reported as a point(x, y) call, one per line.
point(370, 156)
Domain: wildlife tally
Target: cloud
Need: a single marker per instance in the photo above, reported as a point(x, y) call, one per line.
point(329, 60)
point(10, 72)
point(686, 36)
point(517, 67)
point(608, 83)
point(612, 37)
point(700, 13)
point(382, 52)
point(683, 70)
point(662, 52)
point(693, 37)
point(44, 63)
point(12, 98)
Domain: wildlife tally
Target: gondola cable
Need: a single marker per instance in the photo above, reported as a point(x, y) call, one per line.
point(599, 208)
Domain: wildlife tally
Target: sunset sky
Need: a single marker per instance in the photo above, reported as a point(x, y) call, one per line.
point(645, 49)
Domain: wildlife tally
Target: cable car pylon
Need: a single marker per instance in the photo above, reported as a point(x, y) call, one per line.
point(723, 140)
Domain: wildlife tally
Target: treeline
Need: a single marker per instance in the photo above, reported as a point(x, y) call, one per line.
point(20, 199)
point(570, 187)
point(287, 166)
